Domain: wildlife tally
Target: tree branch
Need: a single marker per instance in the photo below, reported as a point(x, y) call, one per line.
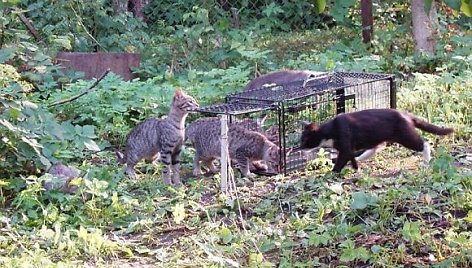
point(28, 25)
point(81, 93)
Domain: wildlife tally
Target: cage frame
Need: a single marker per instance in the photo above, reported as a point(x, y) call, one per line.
point(319, 85)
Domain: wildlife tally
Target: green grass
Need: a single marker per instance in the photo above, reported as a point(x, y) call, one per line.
point(394, 213)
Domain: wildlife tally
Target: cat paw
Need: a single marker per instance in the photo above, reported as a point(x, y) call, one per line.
point(167, 180)
point(177, 183)
point(197, 173)
point(260, 165)
point(131, 173)
point(424, 164)
point(213, 170)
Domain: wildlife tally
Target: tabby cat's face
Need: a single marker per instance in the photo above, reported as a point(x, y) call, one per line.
point(184, 102)
point(273, 161)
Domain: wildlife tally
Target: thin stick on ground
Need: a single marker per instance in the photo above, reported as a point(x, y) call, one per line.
point(81, 93)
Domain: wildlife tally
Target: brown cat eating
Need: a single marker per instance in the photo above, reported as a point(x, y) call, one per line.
point(246, 146)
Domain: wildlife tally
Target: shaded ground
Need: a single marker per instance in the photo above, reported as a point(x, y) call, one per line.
point(280, 216)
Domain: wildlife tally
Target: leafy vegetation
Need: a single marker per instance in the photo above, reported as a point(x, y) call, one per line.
point(392, 214)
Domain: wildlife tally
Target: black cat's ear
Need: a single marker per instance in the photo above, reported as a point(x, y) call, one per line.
point(310, 126)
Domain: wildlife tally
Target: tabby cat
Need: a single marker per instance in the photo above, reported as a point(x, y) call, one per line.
point(64, 175)
point(160, 137)
point(245, 146)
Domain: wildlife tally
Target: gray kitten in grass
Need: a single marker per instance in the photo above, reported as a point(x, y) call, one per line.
point(160, 137)
point(245, 146)
point(65, 175)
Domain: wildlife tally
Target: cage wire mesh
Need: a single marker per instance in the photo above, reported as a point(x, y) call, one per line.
point(318, 99)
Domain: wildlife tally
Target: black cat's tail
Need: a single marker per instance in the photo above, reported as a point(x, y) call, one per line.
point(423, 125)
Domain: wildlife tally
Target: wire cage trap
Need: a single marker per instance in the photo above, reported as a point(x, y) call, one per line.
point(262, 117)
point(316, 99)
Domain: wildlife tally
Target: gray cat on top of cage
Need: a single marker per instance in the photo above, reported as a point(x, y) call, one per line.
point(280, 78)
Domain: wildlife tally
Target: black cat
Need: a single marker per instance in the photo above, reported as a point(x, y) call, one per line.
point(368, 130)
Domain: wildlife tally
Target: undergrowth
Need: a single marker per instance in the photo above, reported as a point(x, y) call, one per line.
point(394, 213)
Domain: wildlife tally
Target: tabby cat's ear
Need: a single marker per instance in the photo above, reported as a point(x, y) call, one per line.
point(260, 121)
point(179, 92)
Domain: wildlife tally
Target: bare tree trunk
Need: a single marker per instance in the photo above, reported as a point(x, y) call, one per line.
point(425, 26)
point(119, 6)
point(137, 7)
point(367, 21)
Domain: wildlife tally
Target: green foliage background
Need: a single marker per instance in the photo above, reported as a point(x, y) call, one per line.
point(301, 220)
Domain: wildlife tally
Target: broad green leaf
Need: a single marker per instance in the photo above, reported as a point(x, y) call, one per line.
point(376, 249)
point(88, 131)
point(255, 259)
point(226, 235)
point(6, 53)
point(455, 4)
point(8, 3)
point(351, 254)
point(466, 7)
point(411, 231)
point(64, 42)
point(316, 239)
point(359, 200)
point(91, 145)
point(427, 6)
point(320, 6)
